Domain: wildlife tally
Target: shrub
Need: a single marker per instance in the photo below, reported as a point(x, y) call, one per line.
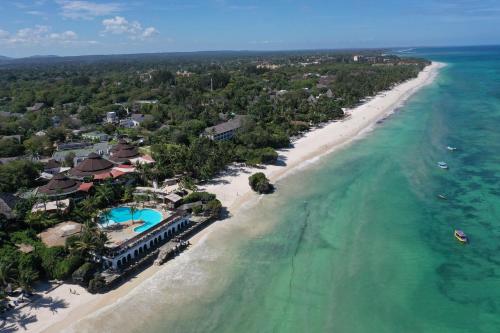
point(259, 183)
point(214, 207)
point(96, 284)
point(198, 196)
point(57, 265)
point(83, 274)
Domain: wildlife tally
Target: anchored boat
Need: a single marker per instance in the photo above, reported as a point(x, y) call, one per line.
point(443, 165)
point(442, 196)
point(461, 236)
point(451, 148)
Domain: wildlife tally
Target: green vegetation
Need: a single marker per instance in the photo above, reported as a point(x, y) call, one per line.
point(210, 205)
point(305, 90)
point(260, 184)
point(18, 174)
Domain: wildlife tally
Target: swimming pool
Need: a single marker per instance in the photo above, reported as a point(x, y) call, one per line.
point(150, 217)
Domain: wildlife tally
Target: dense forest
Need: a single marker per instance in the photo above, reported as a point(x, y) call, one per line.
point(282, 95)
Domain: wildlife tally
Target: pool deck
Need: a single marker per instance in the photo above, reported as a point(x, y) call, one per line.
point(123, 231)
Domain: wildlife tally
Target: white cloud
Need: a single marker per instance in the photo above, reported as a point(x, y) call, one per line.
point(73, 9)
point(64, 36)
point(119, 25)
point(38, 35)
point(35, 12)
point(3, 34)
point(149, 32)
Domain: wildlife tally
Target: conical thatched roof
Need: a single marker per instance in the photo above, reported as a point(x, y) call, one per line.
point(123, 151)
point(59, 185)
point(90, 166)
point(52, 164)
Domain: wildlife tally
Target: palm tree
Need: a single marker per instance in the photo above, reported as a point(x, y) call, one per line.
point(44, 199)
point(133, 210)
point(87, 209)
point(105, 213)
point(26, 279)
point(104, 193)
point(8, 273)
point(92, 240)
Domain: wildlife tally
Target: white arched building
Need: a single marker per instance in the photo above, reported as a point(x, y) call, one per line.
point(145, 242)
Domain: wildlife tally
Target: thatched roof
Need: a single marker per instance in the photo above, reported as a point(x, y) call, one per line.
point(90, 166)
point(52, 164)
point(60, 185)
point(123, 151)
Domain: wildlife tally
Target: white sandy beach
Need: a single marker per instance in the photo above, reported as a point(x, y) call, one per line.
point(233, 190)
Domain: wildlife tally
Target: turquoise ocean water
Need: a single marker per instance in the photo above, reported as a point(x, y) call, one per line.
point(358, 242)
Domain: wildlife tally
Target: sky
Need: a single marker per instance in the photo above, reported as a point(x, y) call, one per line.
point(81, 27)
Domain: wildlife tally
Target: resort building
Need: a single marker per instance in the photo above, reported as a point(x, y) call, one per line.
point(135, 120)
point(35, 107)
point(61, 186)
point(60, 206)
point(96, 136)
point(224, 131)
point(52, 167)
point(124, 251)
point(91, 166)
point(80, 150)
point(111, 117)
point(123, 152)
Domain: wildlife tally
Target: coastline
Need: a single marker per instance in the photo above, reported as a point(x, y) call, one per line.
point(233, 191)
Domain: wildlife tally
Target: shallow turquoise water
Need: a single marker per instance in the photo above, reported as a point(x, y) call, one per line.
point(360, 242)
point(150, 217)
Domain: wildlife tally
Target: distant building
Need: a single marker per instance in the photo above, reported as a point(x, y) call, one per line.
point(224, 131)
point(311, 99)
point(12, 137)
point(96, 136)
point(183, 73)
point(111, 117)
point(52, 167)
point(67, 106)
point(146, 101)
point(123, 152)
point(7, 205)
point(268, 66)
point(80, 151)
point(135, 120)
point(36, 107)
point(56, 121)
point(10, 114)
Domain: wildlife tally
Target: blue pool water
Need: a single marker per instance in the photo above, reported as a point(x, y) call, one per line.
point(150, 217)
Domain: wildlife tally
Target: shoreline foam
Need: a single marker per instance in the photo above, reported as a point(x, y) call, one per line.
point(306, 151)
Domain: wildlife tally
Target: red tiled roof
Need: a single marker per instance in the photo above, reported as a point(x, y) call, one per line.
point(85, 187)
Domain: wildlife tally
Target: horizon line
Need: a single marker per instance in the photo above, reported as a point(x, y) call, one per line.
point(247, 50)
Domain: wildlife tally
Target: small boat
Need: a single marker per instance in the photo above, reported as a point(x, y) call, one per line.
point(443, 165)
point(461, 236)
point(451, 148)
point(442, 196)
